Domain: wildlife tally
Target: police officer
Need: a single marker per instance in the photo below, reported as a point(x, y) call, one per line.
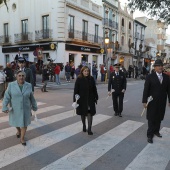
point(117, 87)
point(29, 75)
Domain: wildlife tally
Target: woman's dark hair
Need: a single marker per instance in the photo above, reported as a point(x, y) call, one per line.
point(81, 71)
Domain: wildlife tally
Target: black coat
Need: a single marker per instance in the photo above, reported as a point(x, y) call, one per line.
point(159, 92)
point(118, 83)
point(9, 74)
point(45, 74)
point(87, 91)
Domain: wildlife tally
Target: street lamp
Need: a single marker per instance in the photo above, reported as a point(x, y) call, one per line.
point(106, 40)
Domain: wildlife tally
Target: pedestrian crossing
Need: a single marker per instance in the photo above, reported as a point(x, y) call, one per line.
point(50, 84)
point(87, 149)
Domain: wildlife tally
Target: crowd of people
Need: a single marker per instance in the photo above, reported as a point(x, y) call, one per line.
point(19, 92)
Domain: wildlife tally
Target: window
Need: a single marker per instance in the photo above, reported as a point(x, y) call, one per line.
point(45, 26)
point(24, 26)
point(96, 33)
point(85, 30)
point(24, 30)
point(71, 26)
point(6, 29)
point(122, 40)
point(130, 25)
point(6, 59)
point(123, 22)
point(6, 35)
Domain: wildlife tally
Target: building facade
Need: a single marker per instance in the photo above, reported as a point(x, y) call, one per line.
point(110, 30)
point(125, 36)
point(65, 30)
point(139, 44)
point(157, 31)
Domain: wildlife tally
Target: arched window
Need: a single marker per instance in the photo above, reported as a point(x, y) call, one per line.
point(129, 42)
point(122, 40)
point(130, 26)
point(123, 22)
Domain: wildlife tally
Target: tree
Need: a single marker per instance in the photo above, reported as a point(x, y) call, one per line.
point(1, 1)
point(155, 8)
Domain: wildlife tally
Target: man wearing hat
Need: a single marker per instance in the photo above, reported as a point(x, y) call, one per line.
point(117, 87)
point(28, 72)
point(156, 85)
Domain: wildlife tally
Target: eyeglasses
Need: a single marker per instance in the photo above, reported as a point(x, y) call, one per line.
point(21, 75)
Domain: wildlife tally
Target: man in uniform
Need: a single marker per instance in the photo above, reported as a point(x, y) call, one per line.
point(28, 72)
point(156, 85)
point(117, 87)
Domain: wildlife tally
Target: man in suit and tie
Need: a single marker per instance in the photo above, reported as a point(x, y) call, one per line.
point(156, 85)
point(117, 87)
point(29, 75)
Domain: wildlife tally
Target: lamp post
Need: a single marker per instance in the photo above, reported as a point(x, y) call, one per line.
point(107, 41)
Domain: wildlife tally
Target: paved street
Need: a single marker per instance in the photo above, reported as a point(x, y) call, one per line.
point(56, 141)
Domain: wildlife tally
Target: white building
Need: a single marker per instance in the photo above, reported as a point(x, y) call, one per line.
point(65, 30)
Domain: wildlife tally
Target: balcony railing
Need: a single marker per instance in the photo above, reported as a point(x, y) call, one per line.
point(105, 21)
point(5, 39)
point(136, 35)
point(110, 23)
point(23, 37)
point(130, 32)
point(123, 29)
point(43, 34)
point(142, 37)
point(83, 36)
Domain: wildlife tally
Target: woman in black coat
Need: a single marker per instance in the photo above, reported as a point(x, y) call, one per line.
point(85, 87)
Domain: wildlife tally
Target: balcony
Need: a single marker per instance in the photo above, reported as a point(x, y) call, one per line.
point(23, 37)
point(105, 21)
point(137, 35)
point(43, 34)
point(130, 32)
point(142, 37)
point(123, 29)
point(5, 39)
point(83, 36)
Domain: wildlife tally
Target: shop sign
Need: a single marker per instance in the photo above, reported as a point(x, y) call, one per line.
point(85, 49)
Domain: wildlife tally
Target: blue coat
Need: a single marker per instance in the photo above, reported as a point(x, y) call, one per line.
point(21, 104)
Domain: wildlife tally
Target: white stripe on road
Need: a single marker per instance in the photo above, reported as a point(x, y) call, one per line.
point(90, 152)
point(18, 152)
point(154, 156)
point(41, 110)
point(38, 104)
point(4, 133)
point(123, 102)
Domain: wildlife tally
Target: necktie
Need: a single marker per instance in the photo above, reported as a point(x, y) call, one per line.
point(160, 78)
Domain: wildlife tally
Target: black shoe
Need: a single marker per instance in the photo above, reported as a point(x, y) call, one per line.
point(23, 143)
point(18, 135)
point(120, 115)
point(150, 140)
point(84, 128)
point(90, 132)
point(45, 91)
point(116, 114)
point(158, 135)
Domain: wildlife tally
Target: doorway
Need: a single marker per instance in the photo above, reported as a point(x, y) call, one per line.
point(84, 59)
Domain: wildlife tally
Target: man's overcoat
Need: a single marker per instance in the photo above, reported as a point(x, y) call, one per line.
point(159, 92)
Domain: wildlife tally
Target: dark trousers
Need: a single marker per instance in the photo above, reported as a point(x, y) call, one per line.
point(118, 102)
point(153, 127)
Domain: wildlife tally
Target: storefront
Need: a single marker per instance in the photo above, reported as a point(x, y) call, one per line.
point(83, 54)
point(27, 51)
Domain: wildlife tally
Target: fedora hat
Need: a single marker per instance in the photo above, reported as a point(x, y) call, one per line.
point(158, 63)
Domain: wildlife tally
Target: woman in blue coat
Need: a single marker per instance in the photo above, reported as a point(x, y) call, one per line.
point(21, 100)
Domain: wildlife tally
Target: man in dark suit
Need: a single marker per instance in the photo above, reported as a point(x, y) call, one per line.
point(29, 75)
point(156, 85)
point(117, 87)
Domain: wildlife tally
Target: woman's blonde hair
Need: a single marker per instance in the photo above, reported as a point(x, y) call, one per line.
point(81, 71)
